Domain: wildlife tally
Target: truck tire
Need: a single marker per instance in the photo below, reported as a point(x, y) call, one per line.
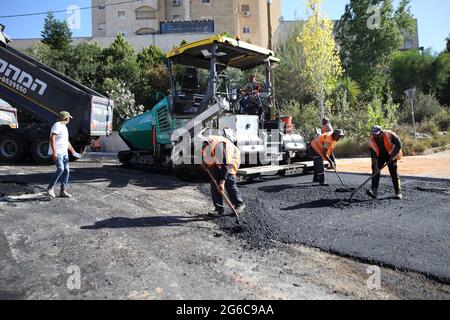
point(11, 148)
point(39, 152)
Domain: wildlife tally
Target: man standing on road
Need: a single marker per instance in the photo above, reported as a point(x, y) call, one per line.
point(322, 149)
point(222, 158)
point(385, 147)
point(59, 150)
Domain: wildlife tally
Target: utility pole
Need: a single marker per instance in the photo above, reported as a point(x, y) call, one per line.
point(269, 23)
point(270, 47)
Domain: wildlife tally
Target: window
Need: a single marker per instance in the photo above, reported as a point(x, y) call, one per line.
point(102, 26)
point(121, 15)
point(143, 31)
point(145, 13)
point(245, 7)
point(246, 29)
point(206, 1)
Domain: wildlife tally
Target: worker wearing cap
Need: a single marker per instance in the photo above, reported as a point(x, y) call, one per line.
point(322, 149)
point(59, 151)
point(222, 158)
point(385, 147)
point(326, 125)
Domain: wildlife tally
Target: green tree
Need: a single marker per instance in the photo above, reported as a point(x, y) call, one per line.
point(52, 58)
point(56, 34)
point(86, 63)
point(153, 76)
point(289, 78)
point(369, 33)
point(448, 44)
point(350, 89)
point(120, 62)
point(411, 69)
point(322, 66)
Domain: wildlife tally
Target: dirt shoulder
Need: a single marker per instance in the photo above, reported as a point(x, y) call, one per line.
point(433, 166)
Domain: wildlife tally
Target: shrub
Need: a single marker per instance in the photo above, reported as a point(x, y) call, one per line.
point(350, 146)
point(426, 106)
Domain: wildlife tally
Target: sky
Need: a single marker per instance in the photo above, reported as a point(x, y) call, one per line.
point(432, 15)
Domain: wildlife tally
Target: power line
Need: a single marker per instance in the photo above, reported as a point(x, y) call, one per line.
point(61, 11)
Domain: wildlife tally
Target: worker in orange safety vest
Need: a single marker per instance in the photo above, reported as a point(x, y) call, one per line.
point(326, 125)
point(222, 158)
point(321, 150)
point(385, 147)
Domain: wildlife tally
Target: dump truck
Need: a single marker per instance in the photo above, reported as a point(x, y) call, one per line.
point(41, 92)
point(170, 134)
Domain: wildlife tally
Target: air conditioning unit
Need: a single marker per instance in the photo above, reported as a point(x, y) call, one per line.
point(246, 13)
point(176, 3)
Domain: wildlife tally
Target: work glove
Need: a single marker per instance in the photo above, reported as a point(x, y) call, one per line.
point(76, 155)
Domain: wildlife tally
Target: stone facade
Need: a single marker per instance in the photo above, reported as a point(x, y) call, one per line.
point(246, 18)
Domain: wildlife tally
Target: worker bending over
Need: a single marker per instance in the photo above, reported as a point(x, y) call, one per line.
point(222, 158)
point(385, 147)
point(322, 149)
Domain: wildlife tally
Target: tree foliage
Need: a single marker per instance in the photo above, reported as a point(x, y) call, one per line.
point(322, 66)
point(369, 33)
point(56, 34)
point(290, 81)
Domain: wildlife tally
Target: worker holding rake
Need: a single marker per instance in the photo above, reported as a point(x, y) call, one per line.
point(385, 149)
point(221, 159)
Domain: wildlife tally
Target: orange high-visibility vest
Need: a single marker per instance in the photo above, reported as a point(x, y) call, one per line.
point(387, 140)
point(318, 144)
point(232, 154)
point(327, 128)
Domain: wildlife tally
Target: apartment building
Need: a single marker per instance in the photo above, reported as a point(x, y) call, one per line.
point(246, 18)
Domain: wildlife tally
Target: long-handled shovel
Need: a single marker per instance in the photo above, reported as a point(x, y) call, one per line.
point(371, 177)
point(345, 188)
point(224, 196)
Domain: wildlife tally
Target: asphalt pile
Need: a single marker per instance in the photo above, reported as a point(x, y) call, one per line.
point(11, 188)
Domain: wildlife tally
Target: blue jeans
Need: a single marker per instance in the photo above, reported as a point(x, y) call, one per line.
point(62, 172)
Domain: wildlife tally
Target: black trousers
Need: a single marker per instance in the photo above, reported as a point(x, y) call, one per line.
point(230, 187)
point(393, 170)
point(319, 169)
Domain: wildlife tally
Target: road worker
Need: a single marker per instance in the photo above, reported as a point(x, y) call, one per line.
point(222, 158)
point(385, 148)
point(322, 149)
point(326, 125)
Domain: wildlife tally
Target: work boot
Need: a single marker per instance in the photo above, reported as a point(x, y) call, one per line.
point(240, 208)
point(64, 194)
point(372, 193)
point(398, 195)
point(215, 213)
point(51, 193)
